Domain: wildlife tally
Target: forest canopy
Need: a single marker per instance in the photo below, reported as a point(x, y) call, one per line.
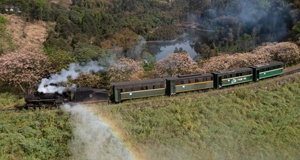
point(232, 25)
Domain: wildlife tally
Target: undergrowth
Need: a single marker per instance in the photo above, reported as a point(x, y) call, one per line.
point(34, 135)
point(10, 100)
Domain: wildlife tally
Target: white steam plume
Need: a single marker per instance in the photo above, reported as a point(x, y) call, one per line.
point(73, 71)
point(92, 138)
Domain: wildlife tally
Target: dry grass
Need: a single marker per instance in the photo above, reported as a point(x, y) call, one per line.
point(28, 36)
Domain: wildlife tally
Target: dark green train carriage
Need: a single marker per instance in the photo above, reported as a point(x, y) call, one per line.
point(137, 89)
point(266, 70)
point(187, 83)
point(230, 77)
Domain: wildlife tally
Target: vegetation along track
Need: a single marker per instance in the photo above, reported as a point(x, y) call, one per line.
point(147, 102)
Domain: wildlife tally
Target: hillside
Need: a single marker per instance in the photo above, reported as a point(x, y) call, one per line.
point(256, 121)
point(29, 37)
point(251, 121)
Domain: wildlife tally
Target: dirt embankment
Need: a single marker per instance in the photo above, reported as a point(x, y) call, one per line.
point(28, 36)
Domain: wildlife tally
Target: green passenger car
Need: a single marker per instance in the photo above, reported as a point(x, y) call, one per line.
point(137, 89)
point(266, 70)
point(189, 83)
point(232, 77)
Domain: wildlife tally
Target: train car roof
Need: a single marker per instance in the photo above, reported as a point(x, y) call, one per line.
point(190, 76)
point(157, 80)
point(232, 70)
point(267, 64)
point(83, 89)
point(193, 75)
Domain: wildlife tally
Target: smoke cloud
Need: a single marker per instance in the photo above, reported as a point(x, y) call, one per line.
point(92, 138)
point(73, 71)
point(136, 52)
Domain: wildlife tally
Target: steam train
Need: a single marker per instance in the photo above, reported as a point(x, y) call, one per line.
point(154, 87)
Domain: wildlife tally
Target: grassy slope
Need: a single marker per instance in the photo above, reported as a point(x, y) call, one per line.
point(257, 121)
point(34, 135)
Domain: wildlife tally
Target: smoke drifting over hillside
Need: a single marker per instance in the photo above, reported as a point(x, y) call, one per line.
point(271, 19)
point(92, 138)
point(73, 71)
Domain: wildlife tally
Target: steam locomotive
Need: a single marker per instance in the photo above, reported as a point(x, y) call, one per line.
point(155, 87)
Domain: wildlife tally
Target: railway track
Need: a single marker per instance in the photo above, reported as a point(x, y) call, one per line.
point(286, 72)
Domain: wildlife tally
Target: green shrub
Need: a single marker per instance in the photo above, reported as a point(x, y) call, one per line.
point(34, 135)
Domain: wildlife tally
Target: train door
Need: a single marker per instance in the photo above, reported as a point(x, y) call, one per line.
point(220, 81)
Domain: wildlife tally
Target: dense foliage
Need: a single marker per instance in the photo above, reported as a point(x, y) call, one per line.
point(226, 25)
point(34, 135)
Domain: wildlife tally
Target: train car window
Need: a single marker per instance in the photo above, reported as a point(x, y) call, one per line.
point(142, 88)
point(153, 86)
point(161, 86)
point(121, 90)
point(131, 89)
point(189, 81)
point(181, 82)
point(196, 80)
point(146, 87)
point(250, 72)
point(230, 76)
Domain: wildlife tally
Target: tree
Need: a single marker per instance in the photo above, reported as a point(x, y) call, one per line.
point(176, 64)
point(126, 70)
point(21, 68)
point(86, 52)
point(59, 59)
point(296, 31)
point(126, 39)
point(89, 80)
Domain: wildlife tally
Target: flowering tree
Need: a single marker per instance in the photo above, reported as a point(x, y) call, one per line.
point(285, 52)
point(176, 64)
point(126, 70)
point(19, 68)
point(239, 60)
